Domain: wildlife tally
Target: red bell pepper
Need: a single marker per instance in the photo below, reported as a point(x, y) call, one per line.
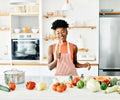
point(30, 85)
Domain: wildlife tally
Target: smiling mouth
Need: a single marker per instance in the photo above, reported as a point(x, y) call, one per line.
point(61, 37)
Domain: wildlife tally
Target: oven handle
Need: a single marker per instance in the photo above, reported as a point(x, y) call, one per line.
point(24, 40)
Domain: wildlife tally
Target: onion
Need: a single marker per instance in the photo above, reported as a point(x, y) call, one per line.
point(93, 85)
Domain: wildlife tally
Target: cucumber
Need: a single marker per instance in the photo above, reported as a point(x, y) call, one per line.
point(4, 88)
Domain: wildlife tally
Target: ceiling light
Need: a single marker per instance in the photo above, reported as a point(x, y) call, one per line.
point(67, 6)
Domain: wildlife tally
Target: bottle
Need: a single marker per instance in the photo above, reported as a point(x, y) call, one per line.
point(80, 42)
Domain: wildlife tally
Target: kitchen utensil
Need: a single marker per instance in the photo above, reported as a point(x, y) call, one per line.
point(32, 8)
point(106, 10)
point(15, 76)
point(17, 30)
point(34, 30)
point(26, 29)
point(18, 9)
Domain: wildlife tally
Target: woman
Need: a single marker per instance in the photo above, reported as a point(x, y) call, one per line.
point(63, 55)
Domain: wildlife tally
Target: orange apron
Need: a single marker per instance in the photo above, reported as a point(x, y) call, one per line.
point(65, 64)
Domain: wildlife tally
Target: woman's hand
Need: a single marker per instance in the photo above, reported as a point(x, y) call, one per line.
point(87, 65)
point(58, 53)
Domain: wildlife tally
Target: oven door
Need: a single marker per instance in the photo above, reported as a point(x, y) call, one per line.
point(25, 49)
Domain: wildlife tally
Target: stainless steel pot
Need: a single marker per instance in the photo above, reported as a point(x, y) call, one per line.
point(14, 76)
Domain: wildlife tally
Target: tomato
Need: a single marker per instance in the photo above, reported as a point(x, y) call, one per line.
point(30, 85)
point(58, 83)
point(70, 85)
point(12, 86)
point(75, 80)
point(60, 88)
point(107, 81)
point(54, 87)
point(65, 87)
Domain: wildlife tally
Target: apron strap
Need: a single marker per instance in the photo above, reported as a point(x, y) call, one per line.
point(55, 50)
point(68, 47)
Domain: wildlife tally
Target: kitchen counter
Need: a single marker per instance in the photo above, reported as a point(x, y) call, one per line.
point(21, 93)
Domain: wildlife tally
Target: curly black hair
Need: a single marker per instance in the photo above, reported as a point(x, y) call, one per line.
point(59, 23)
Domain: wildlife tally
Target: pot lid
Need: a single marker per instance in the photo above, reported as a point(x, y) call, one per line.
point(13, 71)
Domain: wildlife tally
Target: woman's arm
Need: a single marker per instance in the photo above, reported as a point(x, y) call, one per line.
point(78, 65)
point(51, 61)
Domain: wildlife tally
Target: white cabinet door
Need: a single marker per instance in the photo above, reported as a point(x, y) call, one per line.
point(5, 46)
point(5, 39)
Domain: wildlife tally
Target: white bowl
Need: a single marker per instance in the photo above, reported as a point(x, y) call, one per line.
point(35, 30)
point(17, 30)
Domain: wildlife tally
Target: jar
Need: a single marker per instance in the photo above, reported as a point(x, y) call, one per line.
point(32, 8)
point(19, 9)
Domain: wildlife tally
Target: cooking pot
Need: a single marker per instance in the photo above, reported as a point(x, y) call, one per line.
point(14, 76)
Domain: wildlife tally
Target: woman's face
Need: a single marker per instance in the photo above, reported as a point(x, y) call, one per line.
point(61, 34)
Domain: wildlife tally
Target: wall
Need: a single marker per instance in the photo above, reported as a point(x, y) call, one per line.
point(84, 12)
point(110, 4)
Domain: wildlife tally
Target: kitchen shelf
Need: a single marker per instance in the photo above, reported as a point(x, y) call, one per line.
point(92, 27)
point(4, 64)
point(4, 14)
point(46, 16)
point(28, 64)
point(25, 33)
point(83, 49)
point(4, 29)
point(25, 14)
point(109, 13)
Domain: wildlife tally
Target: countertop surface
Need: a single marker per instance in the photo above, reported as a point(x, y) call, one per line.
point(21, 93)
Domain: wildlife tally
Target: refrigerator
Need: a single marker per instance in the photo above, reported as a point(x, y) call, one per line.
point(109, 45)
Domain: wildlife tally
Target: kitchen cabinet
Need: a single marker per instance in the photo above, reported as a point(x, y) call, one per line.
point(5, 47)
point(25, 43)
point(25, 33)
point(21, 23)
point(5, 39)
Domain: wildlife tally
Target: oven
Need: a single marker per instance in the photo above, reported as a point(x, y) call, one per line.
point(25, 48)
